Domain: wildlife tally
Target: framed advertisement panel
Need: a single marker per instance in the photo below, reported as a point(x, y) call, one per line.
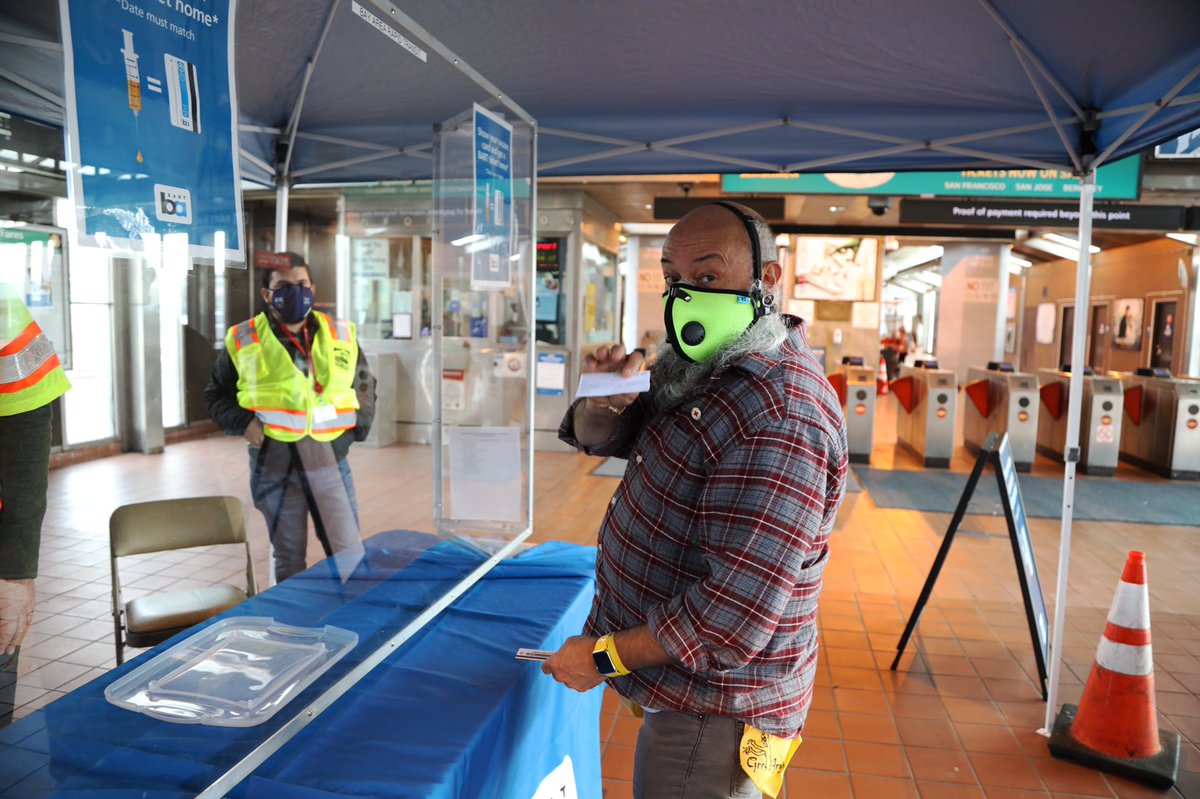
point(1165, 337)
point(835, 268)
point(1127, 323)
point(151, 113)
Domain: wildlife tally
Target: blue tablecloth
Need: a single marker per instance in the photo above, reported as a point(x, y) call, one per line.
point(451, 714)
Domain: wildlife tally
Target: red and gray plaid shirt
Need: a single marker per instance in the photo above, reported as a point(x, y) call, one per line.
point(718, 534)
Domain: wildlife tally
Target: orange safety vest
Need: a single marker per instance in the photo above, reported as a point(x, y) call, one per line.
point(285, 399)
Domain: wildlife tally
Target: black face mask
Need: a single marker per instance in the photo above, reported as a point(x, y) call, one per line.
point(292, 302)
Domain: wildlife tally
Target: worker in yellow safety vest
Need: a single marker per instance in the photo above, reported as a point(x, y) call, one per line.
point(30, 379)
point(293, 382)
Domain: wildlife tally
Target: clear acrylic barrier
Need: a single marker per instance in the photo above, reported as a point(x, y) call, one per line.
point(483, 267)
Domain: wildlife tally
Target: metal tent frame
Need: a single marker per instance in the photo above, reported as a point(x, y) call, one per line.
point(647, 139)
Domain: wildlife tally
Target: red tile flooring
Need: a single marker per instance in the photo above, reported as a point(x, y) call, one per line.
point(958, 719)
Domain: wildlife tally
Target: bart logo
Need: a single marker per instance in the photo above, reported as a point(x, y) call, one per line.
point(172, 204)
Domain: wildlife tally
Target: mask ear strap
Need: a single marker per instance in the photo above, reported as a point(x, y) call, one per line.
point(756, 288)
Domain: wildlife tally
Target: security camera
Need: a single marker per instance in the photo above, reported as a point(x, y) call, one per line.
point(879, 205)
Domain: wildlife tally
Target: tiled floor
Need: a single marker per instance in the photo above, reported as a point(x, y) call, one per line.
point(958, 719)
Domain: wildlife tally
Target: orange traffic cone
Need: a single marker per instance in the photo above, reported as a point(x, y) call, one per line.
point(1114, 728)
point(881, 381)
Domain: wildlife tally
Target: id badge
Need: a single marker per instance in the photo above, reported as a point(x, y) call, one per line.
point(324, 413)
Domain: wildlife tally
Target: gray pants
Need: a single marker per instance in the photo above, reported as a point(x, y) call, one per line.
point(290, 483)
point(683, 756)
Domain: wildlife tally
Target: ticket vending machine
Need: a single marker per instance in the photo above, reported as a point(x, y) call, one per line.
point(1100, 419)
point(928, 399)
point(1001, 400)
point(1161, 431)
point(855, 387)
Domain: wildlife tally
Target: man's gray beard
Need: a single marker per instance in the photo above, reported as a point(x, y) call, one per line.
point(676, 377)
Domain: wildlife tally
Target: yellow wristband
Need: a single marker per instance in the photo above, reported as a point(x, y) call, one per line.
point(608, 662)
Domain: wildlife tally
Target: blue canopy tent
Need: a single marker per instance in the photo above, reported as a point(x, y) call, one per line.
point(688, 86)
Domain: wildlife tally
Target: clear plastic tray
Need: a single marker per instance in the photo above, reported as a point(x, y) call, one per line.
point(236, 673)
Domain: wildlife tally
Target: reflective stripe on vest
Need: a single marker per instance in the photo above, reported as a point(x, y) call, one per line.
point(244, 334)
point(26, 359)
point(292, 421)
point(345, 420)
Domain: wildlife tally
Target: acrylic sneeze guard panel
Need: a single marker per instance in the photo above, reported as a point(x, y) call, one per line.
point(483, 253)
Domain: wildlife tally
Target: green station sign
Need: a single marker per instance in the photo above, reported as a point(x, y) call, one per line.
point(1117, 181)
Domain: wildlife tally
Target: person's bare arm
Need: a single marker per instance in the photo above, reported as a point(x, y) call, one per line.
point(573, 666)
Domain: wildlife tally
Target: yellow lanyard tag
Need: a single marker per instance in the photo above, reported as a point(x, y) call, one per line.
point(764, 758)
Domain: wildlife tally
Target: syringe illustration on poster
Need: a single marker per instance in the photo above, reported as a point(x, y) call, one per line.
point(152, 119)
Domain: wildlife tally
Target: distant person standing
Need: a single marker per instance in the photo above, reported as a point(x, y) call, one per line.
point(901, 344)
point(30, 379)
point(294, 383)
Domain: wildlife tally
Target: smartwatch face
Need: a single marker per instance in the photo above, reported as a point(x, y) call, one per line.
point(604, 663)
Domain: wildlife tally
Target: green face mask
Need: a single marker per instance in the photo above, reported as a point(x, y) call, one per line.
point(699, 321)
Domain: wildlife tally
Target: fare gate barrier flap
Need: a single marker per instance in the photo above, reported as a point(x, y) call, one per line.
point(1052, 399)
point(1002, 401)
point(980, 393)
point(1134, 397)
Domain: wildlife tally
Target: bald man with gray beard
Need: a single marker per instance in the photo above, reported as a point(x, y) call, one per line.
point(711, 552)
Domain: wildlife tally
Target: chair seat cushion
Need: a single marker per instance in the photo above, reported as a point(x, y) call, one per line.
point(179, 609)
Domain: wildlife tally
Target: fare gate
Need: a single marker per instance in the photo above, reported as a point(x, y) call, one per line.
point(1099, 420)
point(1000, 401)
point(856, 388)
point(1162, 428)
point(928, 400)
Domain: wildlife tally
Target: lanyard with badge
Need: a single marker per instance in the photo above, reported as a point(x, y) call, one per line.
point(321, 412)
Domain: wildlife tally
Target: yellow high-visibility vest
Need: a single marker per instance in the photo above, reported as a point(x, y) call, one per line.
point(285, 399)
point(30, 374)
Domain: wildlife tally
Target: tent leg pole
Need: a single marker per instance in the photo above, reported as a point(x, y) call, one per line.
point(1083, 279)
point(281, 215)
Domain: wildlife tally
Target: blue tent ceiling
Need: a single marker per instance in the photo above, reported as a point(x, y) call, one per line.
point(820, 85)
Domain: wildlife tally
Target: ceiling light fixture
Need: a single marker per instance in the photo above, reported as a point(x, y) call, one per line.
point(1068, 241)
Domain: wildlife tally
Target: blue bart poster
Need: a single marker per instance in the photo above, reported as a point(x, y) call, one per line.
point(152, 122)
point(492, 201)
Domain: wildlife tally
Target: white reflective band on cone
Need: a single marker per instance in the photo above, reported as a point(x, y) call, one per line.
point(1136, 661)
point(1130, 607)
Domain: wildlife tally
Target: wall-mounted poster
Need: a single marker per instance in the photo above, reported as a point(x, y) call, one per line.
point(835, 269)
point(1162, 345)
point(1127, 324)
point(1044, 330)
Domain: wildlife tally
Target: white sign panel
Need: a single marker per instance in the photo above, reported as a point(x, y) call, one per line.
point(559, 784)
point(485, 473)
point(1046, 314)
point(370, 258)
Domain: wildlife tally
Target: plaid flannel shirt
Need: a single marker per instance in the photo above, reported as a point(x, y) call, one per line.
point(717, 537)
